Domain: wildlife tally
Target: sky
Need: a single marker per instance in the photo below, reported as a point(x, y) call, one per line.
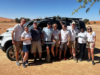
point(47, 8)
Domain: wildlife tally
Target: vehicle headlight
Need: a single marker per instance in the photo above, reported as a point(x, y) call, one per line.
point(7, 31)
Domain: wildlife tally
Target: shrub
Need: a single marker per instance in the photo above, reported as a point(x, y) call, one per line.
point(94, 22)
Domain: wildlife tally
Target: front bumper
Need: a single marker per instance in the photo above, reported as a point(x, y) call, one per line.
point(2, 48)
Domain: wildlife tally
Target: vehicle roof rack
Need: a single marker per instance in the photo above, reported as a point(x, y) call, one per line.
point(61, 18)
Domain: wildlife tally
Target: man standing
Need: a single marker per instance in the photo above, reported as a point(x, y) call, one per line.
point(74, 31)
point(65, 39)
point(36, 41)
point(47, 32)
point(16, 39)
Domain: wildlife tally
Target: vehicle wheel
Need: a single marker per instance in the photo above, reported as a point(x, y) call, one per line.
point(10, 53)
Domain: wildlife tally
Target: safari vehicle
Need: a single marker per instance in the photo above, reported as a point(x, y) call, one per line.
point(6, 40)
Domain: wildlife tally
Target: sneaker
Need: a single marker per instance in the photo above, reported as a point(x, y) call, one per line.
point(75, 59)
point(59, 59)
point(80, 59)
point(24, 65)
point(48, 58)
point(64, 58)
point(21, 60)
point(17, 63)
point(88, 60)
point(71, 57)
point(27, 62)
point(93, 63)
point(40, 59)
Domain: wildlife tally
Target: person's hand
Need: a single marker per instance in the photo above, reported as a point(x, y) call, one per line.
point(93, 45)
point(54, 41)
point(13, 42)
point(29, 38)
point(60, 22)
point(68, 44)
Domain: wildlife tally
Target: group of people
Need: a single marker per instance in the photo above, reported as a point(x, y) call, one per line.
point(26, 40)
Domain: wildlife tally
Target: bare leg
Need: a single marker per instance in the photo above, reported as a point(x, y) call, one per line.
point(60, 52)
point(56, 51)
point(22, 53)
point(47, 50)
point(25, 56)
point(52, 50)
point(17, 55)
point(74, 52)
point(34, 55)
point(92, 54)
point(40, 54)
point(88, 53)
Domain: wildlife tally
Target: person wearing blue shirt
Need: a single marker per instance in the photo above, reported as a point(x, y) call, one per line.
point(47, 32)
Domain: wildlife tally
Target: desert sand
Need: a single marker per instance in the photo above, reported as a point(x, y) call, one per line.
point(68, 67)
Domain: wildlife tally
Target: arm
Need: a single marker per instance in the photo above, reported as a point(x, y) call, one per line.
point(13, 41)
point(94, 39)
point(61, 23)
point(68, 40)
point(59, 38)
point(53, 38)
point(22, 39)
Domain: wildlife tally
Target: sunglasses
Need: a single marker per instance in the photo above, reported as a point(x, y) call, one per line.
point(89, 29)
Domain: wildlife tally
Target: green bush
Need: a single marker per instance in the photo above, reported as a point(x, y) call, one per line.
point(88, 22)
point(94, 22)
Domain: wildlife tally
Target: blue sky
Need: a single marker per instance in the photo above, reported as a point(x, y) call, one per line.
point(42, 8)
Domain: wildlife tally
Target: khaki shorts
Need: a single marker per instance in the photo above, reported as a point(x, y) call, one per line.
point(89, 45)
point(72, 44)
point(36, 46)
point(56, 44)
point(18, 45)
point(63, 46)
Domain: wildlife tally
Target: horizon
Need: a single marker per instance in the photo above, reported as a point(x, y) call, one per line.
point(44, 8)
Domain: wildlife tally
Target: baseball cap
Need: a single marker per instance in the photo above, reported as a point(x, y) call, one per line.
point(35, 21)
point(49, 23)
point(73, 22)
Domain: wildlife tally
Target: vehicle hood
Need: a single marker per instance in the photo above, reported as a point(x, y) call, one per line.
point(10, 29)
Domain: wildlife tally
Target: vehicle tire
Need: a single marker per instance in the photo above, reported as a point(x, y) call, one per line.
point(3, 51)
point(10, 53)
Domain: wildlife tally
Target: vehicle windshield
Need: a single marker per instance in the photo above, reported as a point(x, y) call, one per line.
point(26, 23)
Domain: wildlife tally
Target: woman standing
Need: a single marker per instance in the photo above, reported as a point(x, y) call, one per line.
point(55, 37)
point(91, 39)
point(26, 38)
point(82, 43)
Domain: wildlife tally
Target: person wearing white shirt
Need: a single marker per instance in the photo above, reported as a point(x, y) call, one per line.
point(16, 39)
point(82, 42)
point(26, 38)
point(55, 37)
point(73, 31)
point(64, 38)
point(91, 39)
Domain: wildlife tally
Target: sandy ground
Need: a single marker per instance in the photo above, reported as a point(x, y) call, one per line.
point(68, 67)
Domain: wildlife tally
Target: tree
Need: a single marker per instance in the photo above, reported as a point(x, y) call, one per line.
point(86, 20)
point(27, 19)
point(94, 22)
point(84, 5)
point(17, 20)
